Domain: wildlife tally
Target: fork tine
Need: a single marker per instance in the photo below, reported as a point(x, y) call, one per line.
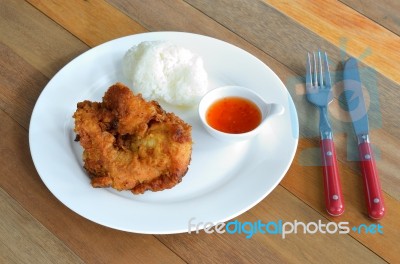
point(308, 73)
point(315, 80)
point(320, 70)
point(327, 72)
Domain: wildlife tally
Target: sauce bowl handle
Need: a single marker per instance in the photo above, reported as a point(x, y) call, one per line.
point(275, 109)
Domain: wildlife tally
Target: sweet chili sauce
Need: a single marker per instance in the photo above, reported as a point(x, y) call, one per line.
point(233, 115)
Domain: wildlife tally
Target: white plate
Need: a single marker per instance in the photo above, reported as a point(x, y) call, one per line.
point(223, 181)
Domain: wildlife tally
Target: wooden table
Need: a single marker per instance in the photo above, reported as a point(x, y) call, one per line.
point(37, 38)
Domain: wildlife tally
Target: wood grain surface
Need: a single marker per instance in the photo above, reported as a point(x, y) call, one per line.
point(39, 37)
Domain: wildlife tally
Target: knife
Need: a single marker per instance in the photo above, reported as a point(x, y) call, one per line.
point(358, 114)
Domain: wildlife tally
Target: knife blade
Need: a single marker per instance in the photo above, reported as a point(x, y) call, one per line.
point(359, 117)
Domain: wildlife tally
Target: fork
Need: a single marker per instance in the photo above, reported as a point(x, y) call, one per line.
point(319, 93)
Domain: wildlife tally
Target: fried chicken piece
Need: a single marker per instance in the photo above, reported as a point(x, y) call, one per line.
point(131, 144)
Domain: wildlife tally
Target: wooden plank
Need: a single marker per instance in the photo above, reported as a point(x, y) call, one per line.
point(91, 242)
point(272, 248)
point(101, 22)
point(18, 95)
point(24, 240)
point(335, 21)
point(384, 12)
point(36, 38)
point(186, 18)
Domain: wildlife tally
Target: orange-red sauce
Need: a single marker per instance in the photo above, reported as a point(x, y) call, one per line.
point(233, 115)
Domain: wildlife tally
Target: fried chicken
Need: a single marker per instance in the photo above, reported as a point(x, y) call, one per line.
point(132, 144)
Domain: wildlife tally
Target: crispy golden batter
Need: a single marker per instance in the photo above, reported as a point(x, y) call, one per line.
point(131, 144)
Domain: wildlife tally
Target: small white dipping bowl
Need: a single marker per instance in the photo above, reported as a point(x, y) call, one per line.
point(268, 110)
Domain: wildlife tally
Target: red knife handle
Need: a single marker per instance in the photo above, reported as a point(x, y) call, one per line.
point(373, 193)
point(333, 190)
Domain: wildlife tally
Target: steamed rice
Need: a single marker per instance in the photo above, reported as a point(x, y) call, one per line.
point(161, 70)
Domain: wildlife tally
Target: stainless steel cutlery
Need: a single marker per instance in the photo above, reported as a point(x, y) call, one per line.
point(358, 114)
point(319, 93)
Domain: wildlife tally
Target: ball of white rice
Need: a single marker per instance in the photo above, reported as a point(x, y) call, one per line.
point(160, 70)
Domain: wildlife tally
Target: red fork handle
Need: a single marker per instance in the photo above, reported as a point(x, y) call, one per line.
point(372, 186)
point(333, 190)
